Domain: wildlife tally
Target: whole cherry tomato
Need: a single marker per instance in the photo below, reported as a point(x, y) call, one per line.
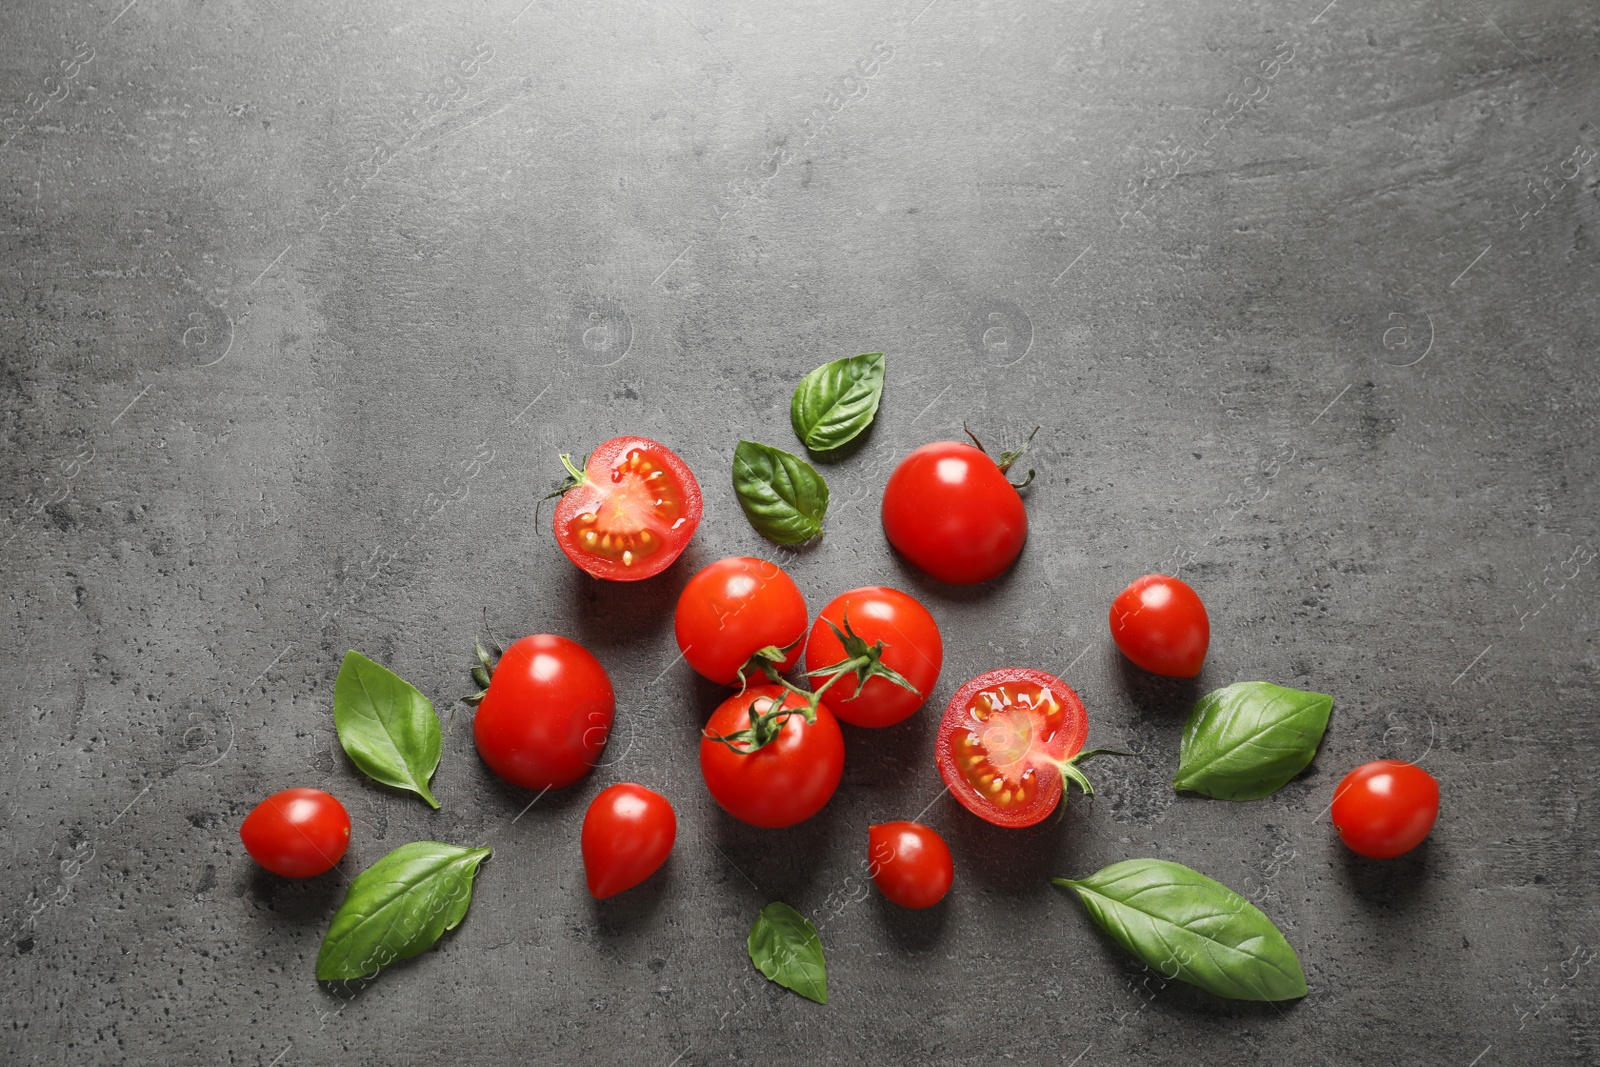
point(546, 716)
point(949, 509)
point(774, 768)
point(297, 833)
point(735, 608)
point(1385, 808)
point(1160, 624)
point(630, 512)
point(628, 832)
point(910, 863)
point(911, 648)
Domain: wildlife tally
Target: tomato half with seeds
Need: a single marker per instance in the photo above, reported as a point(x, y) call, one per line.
point(1008, 741)
point(912, 649)
point(630, 512)
point(786, 773)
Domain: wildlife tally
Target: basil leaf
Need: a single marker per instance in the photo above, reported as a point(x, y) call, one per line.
point(783, 496)
point(1187, 926)
point(398, 908)
point(1244, 741)
point(785, 947)
point(835, 403)
point(387, 728)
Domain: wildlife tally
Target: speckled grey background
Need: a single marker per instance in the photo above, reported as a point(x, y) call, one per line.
point(300, 301)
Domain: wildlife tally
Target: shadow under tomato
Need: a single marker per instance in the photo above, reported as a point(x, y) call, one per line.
point(521, 805)
point(781, 862)
point(914, 580)
point(631, 909)
point(1015, 862)
point(893, 760)
point(912, 929)
point(623, 616)
point(1154, 695)
point(1398, 886)
point(303, 901)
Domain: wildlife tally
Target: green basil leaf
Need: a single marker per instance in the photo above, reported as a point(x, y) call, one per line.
point(836, 402)
point(398, 908)
point(1244, 741)
point(1187, 926)
point(387, 728)
point(785, 947)
point(783, 496)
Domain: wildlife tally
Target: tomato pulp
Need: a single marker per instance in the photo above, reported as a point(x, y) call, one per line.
point(733, 609)
point(785, 781)
point(630, 512)
point(949, 509)
point(546, 716)
point(911, 647)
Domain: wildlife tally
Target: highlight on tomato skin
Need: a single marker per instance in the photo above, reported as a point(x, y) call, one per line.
point(783, 782)
point(630, 512)
point(731, 610)
point(949, 509)
point(628, 833)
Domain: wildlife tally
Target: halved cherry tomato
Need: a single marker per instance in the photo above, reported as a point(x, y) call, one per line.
point(949, 509)
point(1006, 741)
point(1385, 808)
point(628, 833)
point(785, 781)
point(911, 647)
point(735, 608)
point(546, 716)
point(1160, 624)
point(297, 833)
point(630, 512)
point(910, 863)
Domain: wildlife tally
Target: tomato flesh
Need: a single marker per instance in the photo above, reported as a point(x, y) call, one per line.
point(1002, 742)
point(634, 512)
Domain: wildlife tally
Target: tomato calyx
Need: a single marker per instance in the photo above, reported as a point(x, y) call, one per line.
point(483, 670)
point(1007, 458)
point(861, 659)
point(766, 661)
point(1070, 772)
point(765, 725)
point(575, 477)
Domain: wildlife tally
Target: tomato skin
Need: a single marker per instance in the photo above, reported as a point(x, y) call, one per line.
point(911, 646)
point(297, 833)
point(628, 833)
point(1047, 741)
point(784, 782)
point(547, 715)
point(615, 493)
point(910, 863)
point(732, 609)
point(1385, 808)
point(1161, 625)
point(949, 509)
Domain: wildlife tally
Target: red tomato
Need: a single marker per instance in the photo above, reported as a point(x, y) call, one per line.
point(910, 863)
point(297, 833)
point(547, 714)
point(1161, 625)
point(1385, 808)
point(733, 609)
point(627, 835)
point(1007, 738)
point(911, 647)
point(630, 512)
point(949, 509)
point(786, 781)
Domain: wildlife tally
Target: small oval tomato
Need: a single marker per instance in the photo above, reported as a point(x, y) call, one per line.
point(733, 609)
point(1160, 624)
point(783, 782)
point(910, 863)
point(1385, 808)
point(1007, 739)
point(630, 512)
point(949, 509)
point(628, 832)
point(911, 647)
point(297, 833)
point(547, 714)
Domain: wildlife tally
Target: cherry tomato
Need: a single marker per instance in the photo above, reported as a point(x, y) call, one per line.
point(949, 509)
point(627, 834)
point(786, 781)
point(733, 609)
point(910, 863)
point(547, 714)
point(297, 833)
point(911, 647)
point(630, 512)
point(1385, 808)
point(1160, 624)
point(1007, 738)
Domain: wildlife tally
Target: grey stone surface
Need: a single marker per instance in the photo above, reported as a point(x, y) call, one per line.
point(299, 302)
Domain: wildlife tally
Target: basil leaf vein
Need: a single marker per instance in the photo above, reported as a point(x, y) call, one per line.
point(388, 728)
point(398, 908)
point(783, 496)
point(785, 947)
point(1189, 927)
point(1246, 740)
point(834, 404)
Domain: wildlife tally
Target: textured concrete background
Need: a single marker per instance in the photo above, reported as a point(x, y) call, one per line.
point(300, 301)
